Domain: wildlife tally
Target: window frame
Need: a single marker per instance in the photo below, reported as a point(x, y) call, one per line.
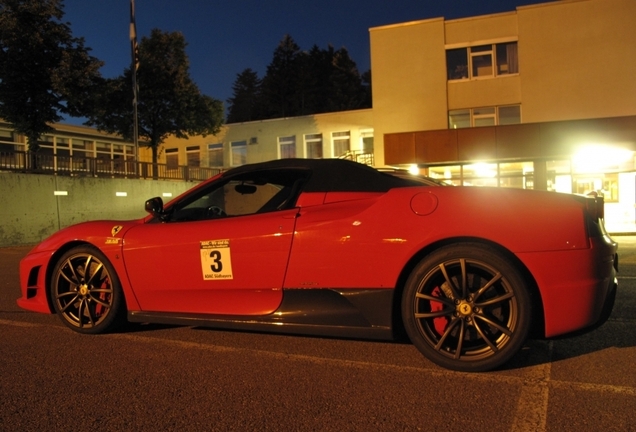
point(311, 141)
point(238, 153)
point(172, 158)
point(473, 115)
point(215, 154)
point(337, 137)
point(287, 147)
point(193, 156)
point(465, 68)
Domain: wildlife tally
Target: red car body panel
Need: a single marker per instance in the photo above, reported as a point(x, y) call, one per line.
point(164, 264)
point(341, 240)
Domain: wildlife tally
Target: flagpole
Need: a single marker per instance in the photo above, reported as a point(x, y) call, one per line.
point(133, 68)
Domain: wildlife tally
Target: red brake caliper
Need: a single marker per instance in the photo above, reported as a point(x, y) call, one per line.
point(440, 323)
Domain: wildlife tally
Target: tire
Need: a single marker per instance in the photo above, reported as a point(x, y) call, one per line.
point(88, 302)
point(467, 308)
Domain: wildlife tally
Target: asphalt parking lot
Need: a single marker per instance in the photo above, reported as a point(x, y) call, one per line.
point(186, 378)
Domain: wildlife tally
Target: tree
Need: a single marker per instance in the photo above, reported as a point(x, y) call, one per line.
point(347, 91)
point(170, 103)
point(44, 71)
point(301, 83)
point(244, 104)
point(280, 83)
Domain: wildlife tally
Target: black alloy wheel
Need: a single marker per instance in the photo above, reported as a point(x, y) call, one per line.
point(86, 293)
point(467, 308)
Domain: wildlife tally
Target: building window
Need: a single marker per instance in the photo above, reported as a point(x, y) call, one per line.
point(6, 141)
point(484, 116)
point(61, 145)
point(507, 58)
point(518, 175)
point(215, 155)
point(172, 158)
point(313, 146)
point(287, 147)
point(367, 141)
point(482, 61)
point(82, 148)
point(193, 156)
point(239, 153)
point(341, 143)
point(605, 185)
point(509, 114)
point(559, 173)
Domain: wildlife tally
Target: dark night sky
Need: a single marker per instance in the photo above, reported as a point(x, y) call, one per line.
point(226, 37)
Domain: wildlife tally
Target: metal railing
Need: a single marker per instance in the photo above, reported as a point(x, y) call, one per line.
point(42, 163)
point(359, 156)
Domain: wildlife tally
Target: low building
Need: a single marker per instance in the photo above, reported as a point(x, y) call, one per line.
point(347, 134)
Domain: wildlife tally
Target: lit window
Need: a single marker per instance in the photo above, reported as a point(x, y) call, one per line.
point(605, 185)
point(239, 153)
point(559, 175)
point(516, 175)
point(287, 147)
point(313, 146)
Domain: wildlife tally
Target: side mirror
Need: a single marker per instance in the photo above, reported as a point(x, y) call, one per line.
point(154, 206)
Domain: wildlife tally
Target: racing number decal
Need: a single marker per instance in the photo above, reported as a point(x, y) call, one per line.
point(216, 262)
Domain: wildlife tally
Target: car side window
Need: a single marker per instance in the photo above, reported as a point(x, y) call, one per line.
point(241, 195)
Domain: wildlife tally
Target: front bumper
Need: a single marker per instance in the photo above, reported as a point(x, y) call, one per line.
point(33, 270)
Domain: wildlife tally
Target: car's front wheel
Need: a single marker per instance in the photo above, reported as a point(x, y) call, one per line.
point(467, 308)
point(85, 291)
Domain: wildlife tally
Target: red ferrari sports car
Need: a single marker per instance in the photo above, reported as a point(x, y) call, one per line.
point(332, 247)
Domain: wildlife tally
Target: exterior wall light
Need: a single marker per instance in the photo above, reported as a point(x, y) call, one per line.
point(597, 157)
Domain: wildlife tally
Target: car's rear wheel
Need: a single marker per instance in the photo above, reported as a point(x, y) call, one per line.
point(85, 291)
point(466, 307)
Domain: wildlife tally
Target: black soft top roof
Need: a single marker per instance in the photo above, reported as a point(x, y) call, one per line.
point(331, 175)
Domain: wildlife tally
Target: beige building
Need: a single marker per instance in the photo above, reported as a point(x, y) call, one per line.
point(341, 134)
point(542, 97)
point(563, 60)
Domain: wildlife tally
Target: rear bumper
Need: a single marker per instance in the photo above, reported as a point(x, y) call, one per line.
point(577, 287)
